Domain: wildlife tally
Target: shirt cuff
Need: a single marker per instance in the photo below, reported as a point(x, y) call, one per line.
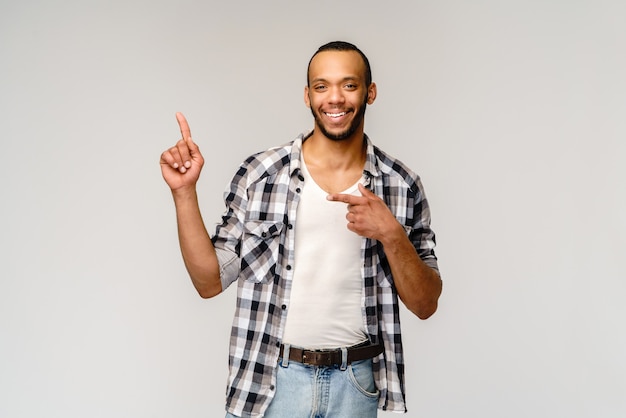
point(229, 266)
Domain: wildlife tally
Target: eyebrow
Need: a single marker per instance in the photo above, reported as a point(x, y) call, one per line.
point(348, 78)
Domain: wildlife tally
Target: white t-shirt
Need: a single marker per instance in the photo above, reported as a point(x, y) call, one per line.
point(325, 308)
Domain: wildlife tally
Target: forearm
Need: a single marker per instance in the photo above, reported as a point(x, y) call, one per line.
point(195, 244)
point(418, 285)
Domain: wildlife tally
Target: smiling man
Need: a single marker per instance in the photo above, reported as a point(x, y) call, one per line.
point(357, 86)
point(324, 236)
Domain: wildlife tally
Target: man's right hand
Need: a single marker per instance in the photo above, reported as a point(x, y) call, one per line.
point(182, 163)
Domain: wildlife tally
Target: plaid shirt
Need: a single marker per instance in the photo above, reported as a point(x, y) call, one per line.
point(255, 245)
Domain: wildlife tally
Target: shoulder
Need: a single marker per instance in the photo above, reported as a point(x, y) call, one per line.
point(266, 163)
point(395, 169)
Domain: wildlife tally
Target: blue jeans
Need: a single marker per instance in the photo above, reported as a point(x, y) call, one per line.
point(304, 391)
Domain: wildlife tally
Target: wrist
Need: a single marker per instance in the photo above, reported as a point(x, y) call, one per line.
point(185, 193)
point(394, 237)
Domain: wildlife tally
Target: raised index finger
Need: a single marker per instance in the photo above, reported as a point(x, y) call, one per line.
point(184, 126)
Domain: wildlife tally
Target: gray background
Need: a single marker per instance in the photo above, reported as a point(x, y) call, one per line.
point(511, 111)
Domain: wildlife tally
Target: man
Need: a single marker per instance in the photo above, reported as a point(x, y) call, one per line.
point(322, 235)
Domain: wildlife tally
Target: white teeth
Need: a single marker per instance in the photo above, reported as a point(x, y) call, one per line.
point(335, 115)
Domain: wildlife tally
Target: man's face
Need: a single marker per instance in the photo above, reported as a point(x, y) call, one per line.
point(337, 94)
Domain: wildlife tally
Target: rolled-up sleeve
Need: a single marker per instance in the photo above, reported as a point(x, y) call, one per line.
point(229, 266)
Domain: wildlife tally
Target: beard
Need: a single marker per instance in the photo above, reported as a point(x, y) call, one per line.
point(354, 125)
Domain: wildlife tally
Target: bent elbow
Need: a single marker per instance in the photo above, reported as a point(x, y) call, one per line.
point(208, 290)
point(208, 293)
point(425, 312)
point(427, 306)
point(421, 308)
point(205, 294)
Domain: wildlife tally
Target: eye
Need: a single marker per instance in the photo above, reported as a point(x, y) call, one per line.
point(319, 88)
point(350, 86)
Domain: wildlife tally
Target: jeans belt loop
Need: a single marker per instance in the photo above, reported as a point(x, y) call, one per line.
point(344, 358)
point(285, 362)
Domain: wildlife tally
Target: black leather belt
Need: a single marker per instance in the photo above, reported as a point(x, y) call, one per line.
point(332, 357)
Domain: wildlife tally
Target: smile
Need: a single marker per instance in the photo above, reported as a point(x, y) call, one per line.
point(335, 115)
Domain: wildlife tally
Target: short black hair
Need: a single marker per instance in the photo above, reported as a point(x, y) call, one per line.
point(343, 46)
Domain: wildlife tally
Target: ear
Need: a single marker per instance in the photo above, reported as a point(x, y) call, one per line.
point(371, 93)
point(307, 100)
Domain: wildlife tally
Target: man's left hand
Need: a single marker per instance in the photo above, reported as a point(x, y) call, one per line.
point(368, 215)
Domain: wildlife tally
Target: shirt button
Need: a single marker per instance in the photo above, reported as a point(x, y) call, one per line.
point(271, 387)
point(298, 190)
point(290, 226)
point(288, 267)
point(284, 307)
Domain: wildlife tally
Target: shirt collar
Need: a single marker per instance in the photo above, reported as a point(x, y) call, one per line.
point(371, 162)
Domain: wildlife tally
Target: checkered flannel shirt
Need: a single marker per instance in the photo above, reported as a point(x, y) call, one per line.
point(255, 246)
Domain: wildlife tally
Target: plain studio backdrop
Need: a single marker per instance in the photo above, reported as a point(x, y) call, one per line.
point(512, 112)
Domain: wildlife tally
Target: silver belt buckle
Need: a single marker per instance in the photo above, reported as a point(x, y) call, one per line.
point(317, 358)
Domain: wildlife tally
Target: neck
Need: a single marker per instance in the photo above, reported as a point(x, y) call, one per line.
point(333, 154)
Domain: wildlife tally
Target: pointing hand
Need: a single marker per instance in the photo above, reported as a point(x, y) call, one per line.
point(368, 215)
point(182, 163)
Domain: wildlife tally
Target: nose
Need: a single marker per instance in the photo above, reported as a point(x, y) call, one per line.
point(336, 95)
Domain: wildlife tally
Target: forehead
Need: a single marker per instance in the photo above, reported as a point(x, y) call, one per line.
point(333, 64)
